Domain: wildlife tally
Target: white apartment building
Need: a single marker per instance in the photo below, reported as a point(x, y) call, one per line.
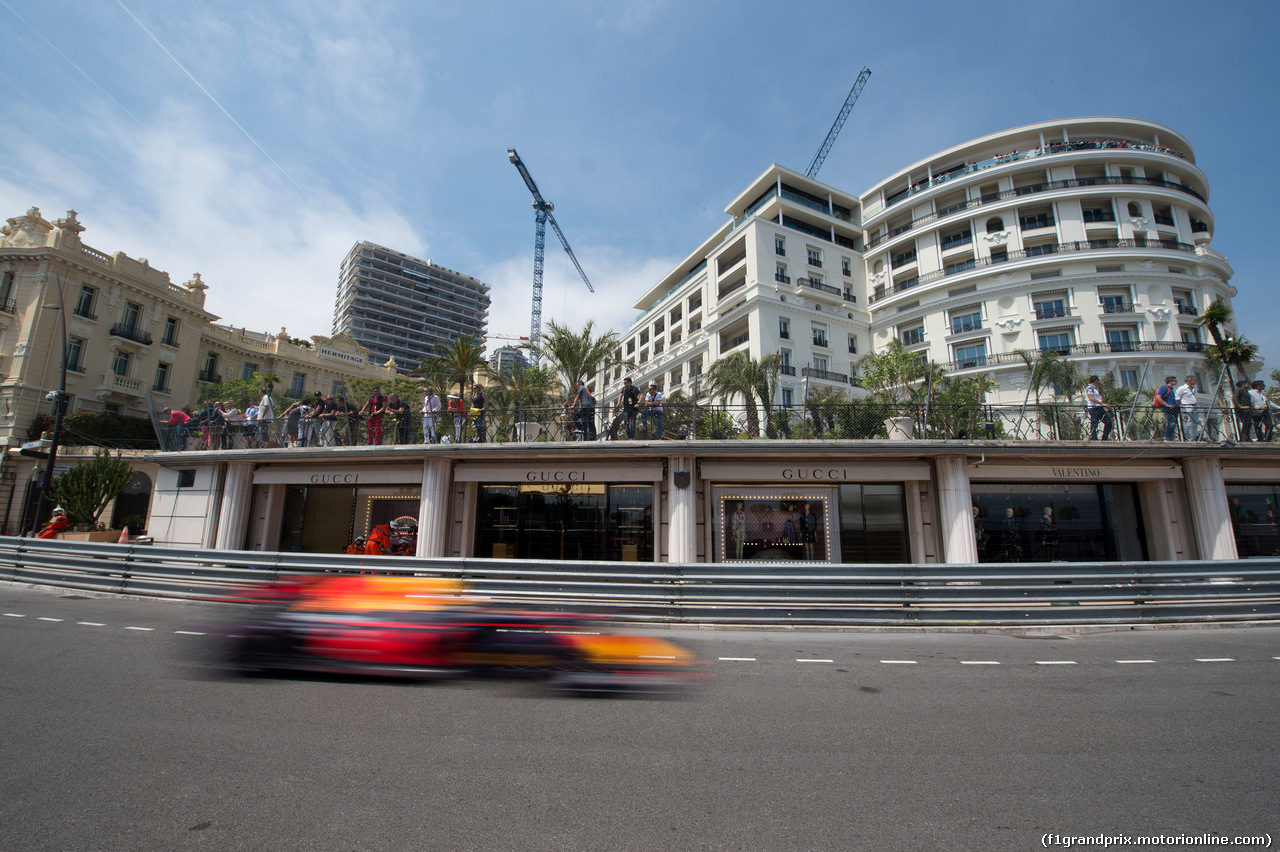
point(1086, 237)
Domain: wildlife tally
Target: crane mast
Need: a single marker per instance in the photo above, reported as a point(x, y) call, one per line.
point(821, 156)
point(542, 215)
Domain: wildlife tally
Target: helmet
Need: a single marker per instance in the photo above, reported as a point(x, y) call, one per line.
point(58, 510)
point(359, 539)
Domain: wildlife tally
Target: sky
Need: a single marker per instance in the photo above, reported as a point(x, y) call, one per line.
point(255, 143)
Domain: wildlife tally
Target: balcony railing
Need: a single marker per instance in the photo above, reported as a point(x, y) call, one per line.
point(821, 340)
point(815, 373)
point(1187, 310)
point(1057, 148)
point(1199, 228)
point(1049, 186)
point(787, 369)
point(1163, 220)
point(1094, 216)
point(1051, 311)
point(1118, 308)
point(122, 383)
point(8, 306)
point(960, 326)
point(781, 279)
point(1005, 359)
point(818, 285)
point(130, 332)
point(956, 240)
point(737, 341)
point(913, 337)
point(84, 313)
point(1083, 245)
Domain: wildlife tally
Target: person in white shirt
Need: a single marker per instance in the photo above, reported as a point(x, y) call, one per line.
point(1186, 397)
point(652, 412)
point(1263, 424)
point(430, 414)
point(266, 417)
point(1098, 410)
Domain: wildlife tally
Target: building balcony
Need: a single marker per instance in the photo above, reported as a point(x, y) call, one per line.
point(1119, 308)
point(787, 369)
point(821, 340)
point(1013, 359)
point(1036, 251)
point(1187, 310)
point(85, 313)
point(1050, 186)
point(825, 375)
point(1164, 220)
point(835, 292)
point(127, 385)
point(1053, 312)
point(130, 332)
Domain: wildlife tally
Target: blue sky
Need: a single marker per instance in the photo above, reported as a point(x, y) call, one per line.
point(286, 131)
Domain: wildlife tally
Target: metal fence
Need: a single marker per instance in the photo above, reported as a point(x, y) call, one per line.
point(816, 420)
point(738, 593)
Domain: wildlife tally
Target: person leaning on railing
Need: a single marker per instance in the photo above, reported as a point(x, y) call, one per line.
point(1166, 400)
point(179, 419)
point(1099, 411)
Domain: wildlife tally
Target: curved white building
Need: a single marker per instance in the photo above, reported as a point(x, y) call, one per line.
point(1089, 237)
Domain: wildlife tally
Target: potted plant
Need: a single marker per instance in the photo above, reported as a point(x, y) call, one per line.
point(893, 375)
point(86, 490)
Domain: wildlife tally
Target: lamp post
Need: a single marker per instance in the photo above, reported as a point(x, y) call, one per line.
point(59, 398)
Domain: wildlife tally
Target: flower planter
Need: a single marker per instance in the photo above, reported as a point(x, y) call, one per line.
point(900, 428)
point(91, 535)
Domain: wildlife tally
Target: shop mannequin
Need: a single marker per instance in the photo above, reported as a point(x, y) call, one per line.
point(1049, 534)
point(1012, 537)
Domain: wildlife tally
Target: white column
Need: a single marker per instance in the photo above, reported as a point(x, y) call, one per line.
point(682, 528)
point(955, 511)
point(1210, 512)
point(233, 515)
point(433, 508)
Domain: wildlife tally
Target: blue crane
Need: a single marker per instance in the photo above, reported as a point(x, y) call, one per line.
point(839, 123)
point(542, 208)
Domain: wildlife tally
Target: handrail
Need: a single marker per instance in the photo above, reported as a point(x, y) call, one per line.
point(973, 596)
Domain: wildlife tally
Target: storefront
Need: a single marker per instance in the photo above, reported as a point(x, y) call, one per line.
point(584, 512)
point(828, 513)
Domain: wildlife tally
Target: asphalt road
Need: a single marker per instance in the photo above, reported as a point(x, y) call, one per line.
point(805, 740)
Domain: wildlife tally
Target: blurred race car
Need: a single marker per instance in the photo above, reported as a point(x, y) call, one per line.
point(428, 628)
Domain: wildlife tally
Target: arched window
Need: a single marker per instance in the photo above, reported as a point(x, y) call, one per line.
point(879, 267)
point(1135, 209)
point(996, 224)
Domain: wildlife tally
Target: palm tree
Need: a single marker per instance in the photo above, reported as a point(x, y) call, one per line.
point(576, 356)
point(741, 375)
point(1217, 314)
point(458, 362)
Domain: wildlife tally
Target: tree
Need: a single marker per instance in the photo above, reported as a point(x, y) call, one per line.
point(576, 356)
point(242, 392)
point(893, 372)
point(85, 490)
point(1212, 319)
point(1232, 352)
point(458, 362)
point(740, 375)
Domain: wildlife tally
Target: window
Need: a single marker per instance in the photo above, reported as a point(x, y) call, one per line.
point(675, 377)
point(780, 246)
point(1184, 303)
point(905, 257)
point(631, 346)
point(120, 364)
point(972, 355)
point(187, 478)
point(1135, 209)
point(162, 378)
point(170, 332)
point(853, 344)
point(336, 388)
point(131, 313)
point(784, 328)
point(6, 288)
point(1128, 377)
point(994, 225)
point(784, 357)
point(1050, 308)
point(786, 398)
point(814, 256)
point(1039, 219)
point(846, 267)
point(84, 304)
point(1100, 212)
point(820, 335)
point(298, 384)
point(1164, 215)
point(1056, 341)
point(111, 409)
point(966, 319)
point(250, 370)
point(1121, 339)
point(780, 274)
point(821, 363)
point(958, 238)
point(913, 336)
point(1116, 303)
point(207, 372)
point(75, 355)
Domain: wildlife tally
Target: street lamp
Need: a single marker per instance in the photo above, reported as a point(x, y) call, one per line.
point(59, 398)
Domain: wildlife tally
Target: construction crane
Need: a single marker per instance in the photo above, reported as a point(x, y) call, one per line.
point(542, 208)
point(821, 156)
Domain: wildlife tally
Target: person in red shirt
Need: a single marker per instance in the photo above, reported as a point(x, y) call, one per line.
point(375, 406)
point(57, 524)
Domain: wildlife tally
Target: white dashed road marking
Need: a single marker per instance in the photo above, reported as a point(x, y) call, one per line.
point(148, 629)
point(1133, 662)
point(46, 618)
point(738, 659)
point(1215, 660)
point(979, 663)
point(815, 661)
point(14, 615)
point(195, 633)
point(899, 662)
point(1055, 662)
point(91, 623)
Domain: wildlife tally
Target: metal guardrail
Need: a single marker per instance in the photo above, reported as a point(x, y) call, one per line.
point(736, 593)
